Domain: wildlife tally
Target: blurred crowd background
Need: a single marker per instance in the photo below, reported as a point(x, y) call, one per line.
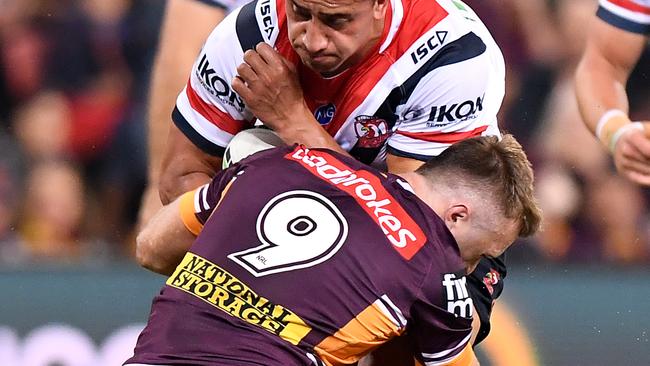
point(73, 150)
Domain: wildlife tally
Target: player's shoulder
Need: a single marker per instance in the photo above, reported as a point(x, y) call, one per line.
point(251, 23)
point(440, 33)
point(260, 21)
point(629, 15)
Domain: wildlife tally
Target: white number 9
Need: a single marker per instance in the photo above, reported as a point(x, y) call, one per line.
point(297, 229)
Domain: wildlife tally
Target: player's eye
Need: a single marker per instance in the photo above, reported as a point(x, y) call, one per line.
point(336, 22)
point(300, 13)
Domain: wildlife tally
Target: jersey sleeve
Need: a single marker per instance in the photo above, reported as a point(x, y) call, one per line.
point(196, 206)
point(456, 96)
point(207, 110)
point(441, 324)
point(630, 15)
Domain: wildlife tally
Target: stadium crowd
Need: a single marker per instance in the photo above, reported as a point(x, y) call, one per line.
point(73, 153)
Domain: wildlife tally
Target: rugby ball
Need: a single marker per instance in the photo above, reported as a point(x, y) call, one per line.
point(248, 142)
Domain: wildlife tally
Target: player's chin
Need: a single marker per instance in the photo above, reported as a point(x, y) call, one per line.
point(324, 65)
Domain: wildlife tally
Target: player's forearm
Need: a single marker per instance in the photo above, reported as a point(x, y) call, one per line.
point(306, 130)
point(164, 89)
point(185, 166)
point(186, 25)
point(173, 185)
point(599, 88)
point(609, 57)
point(160, 246)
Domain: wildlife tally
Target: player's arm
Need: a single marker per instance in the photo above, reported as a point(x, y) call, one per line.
point(185, 166)
point(208, 113)
point(269, 86)
point(601, 77)
point(185, 27)
point(165, 228)
point(161, 244)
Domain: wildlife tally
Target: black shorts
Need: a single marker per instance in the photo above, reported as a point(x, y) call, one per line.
point(485, 285)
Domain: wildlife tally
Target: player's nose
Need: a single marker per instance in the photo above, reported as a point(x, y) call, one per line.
point(314, 38)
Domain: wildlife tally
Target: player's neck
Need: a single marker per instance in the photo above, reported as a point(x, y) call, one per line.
point(424, 191)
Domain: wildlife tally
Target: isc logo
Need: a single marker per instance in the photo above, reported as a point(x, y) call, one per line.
point(458, 300)
point(267, 19)
point(435, 41)
point(217, 85)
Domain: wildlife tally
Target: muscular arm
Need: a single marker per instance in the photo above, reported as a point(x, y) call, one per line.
point(185, 27)
point(164, 229)
point(184, 167)
point(609, 57)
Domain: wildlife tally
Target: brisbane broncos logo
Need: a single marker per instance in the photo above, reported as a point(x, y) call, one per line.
point(371, 131)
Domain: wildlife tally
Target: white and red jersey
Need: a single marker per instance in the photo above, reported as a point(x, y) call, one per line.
point(436, 77)
point(629, 15)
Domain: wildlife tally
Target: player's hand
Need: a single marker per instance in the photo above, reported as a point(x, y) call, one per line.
point(632, 155)
point(269, 86)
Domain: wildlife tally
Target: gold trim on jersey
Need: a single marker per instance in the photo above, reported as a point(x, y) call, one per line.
point(368, 330)
point(207, 281)
point(188, 214)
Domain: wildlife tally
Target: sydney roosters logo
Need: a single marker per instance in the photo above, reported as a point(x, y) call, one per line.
point(490, 280)
point(371, 131)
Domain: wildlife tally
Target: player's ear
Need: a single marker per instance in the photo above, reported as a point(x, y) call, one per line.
point(456, 215)
point(379, 8)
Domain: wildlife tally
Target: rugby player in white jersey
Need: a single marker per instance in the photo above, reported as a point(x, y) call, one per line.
point(618, 35)
point(391, 82)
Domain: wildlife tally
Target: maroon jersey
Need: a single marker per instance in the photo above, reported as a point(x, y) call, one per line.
point(308, 257)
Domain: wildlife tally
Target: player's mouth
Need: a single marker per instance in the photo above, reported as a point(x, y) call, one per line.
point(322, 62)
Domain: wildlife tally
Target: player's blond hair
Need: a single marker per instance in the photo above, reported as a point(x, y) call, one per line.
point(499, 168)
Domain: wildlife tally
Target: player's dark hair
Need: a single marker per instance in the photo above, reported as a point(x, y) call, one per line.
point(499, 168)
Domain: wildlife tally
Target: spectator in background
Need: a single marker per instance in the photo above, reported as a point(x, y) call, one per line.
point(22, 56)
point(53, 212)
point(83, 62)
point(42, 126)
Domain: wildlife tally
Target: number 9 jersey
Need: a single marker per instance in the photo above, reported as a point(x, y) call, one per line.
point(308, 257)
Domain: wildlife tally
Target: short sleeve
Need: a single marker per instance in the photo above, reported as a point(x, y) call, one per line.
point(196, 206)
point(207, 110)
point(456, 97)
point(441, 324)
point(629, 15)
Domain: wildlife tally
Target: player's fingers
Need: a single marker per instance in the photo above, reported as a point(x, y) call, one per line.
point(270, 56)
point(246, 73)
point(256, 62)
point(240, 87)
point(639, 142)
point(633, 165)
point(638, 178)
point(646, 128)
point(291, 67)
